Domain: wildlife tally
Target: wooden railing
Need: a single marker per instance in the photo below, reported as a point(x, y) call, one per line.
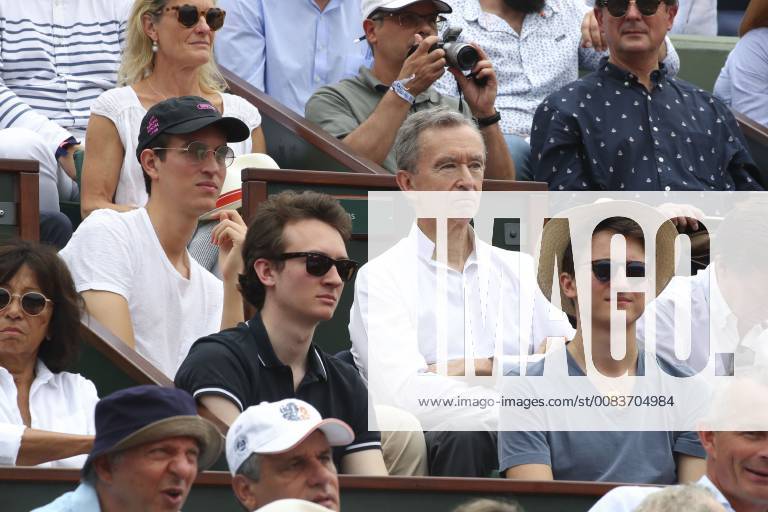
point(20, 200)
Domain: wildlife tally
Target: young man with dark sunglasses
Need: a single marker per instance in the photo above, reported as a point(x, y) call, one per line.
point(295, 269)
point(657, 457)
point(631, 126)
point(133, 268)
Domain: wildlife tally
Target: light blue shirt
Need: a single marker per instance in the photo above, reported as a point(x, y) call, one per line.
point(82, 499)
point(290, 48)
point(741, 84)
point(696, 17)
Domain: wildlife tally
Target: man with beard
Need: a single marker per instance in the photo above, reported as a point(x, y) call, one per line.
point(536, 47)
point(368, 109)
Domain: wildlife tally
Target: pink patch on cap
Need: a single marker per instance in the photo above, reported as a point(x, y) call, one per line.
point(205, 106)
point(153, 126)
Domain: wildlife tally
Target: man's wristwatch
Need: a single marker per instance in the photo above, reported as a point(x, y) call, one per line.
point(483, 122)
point(398, 87)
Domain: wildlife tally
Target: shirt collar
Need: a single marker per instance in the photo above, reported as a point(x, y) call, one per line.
point(705, 482)
point(366, 76)
point(620, 74)
point(268, 358)
point(426, 248)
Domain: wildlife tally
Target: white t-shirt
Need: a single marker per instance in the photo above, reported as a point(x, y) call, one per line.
point(123, 108)
point(58, 402)
point(119, 252)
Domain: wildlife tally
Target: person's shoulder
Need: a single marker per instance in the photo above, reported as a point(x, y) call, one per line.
point(564, 100)
point(106, 218)
point(235, 105)
point(115, 100)
point(233, 340)
point(336, 368)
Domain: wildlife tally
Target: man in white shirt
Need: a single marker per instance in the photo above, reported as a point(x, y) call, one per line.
point(394, 322)
point(133, 268)
point(736, 441)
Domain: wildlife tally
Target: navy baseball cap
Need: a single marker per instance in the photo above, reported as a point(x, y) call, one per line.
point(142, 414)
point(186, 114)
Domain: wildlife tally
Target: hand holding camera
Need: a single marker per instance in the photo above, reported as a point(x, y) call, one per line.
point(424, 65)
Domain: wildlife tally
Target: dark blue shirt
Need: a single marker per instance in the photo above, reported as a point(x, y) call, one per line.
point(607, 132)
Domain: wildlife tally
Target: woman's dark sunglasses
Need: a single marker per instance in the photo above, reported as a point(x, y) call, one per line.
point(32, 303)
point(189, 15)
point(602, 269)
point(618, 8)
point(319, 264)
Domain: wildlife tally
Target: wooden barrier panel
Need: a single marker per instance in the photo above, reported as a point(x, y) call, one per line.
point(757, 139)
point(25, 488)
point(352, 191)
point(19, 199)
point(295, 143)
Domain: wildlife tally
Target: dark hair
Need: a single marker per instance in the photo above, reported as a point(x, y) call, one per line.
point(617, 225)
point(265, 234)
point(60, 348)
point(161, 141)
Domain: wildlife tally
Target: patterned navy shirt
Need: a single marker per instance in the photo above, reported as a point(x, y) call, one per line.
point(607, 132)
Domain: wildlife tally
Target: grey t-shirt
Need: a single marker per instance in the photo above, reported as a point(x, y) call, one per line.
point(628, 457)
point(340, 108)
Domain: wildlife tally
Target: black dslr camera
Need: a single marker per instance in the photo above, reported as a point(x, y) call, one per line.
point(457, 55)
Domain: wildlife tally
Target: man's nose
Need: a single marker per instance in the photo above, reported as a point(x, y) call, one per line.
point(632, 11)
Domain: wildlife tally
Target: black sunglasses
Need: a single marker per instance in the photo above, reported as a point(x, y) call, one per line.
point(319, 264)
point(32, 303)
point(189, 15)
point(602, 269)
point(618, 8)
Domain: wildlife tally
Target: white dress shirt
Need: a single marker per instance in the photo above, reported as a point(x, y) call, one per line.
point(398, 319)
point(627, 498)
point(58, 402)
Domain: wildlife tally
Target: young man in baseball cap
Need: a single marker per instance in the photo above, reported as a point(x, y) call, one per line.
point(133, 268)
point(282, 450)
point(150, 444)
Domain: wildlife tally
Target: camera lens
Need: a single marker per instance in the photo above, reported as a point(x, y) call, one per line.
point(467, 57)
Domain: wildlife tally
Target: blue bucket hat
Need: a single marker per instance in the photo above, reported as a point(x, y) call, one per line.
point(142, 414)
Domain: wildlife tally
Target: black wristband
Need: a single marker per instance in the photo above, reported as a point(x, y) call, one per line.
point(483, 122)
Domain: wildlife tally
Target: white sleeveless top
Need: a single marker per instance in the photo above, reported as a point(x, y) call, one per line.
point(123, 108)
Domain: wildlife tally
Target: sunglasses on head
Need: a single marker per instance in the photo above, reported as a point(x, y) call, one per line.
point(602, 269)
point(188, 15)
point(618, 8)
point(32, 303)
point(319, 264)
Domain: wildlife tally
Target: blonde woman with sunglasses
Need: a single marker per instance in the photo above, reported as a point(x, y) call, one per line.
point(169, 53)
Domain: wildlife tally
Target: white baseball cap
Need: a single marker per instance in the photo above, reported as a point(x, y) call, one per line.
point(395, 5)
point(278, 427)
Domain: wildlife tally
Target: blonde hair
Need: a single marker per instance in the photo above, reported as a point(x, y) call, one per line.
point(138, 59)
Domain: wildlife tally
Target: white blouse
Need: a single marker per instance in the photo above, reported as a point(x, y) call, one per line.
point(123, 108)
point(58, 402)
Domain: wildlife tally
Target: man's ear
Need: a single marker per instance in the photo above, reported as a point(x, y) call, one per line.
point(103, 468)
point(568, 285)
point(707, 438)
point(369, 28)
point(404, 180)
point(265, 271)
point(671, 13)
point(243, 489)
point(149, 159)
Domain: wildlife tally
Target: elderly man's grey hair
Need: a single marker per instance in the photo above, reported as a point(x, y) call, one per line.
point(251, 467)
point(688, 497)
point(407, 141)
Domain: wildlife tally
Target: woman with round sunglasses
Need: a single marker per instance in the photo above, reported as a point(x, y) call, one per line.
point(168, 53)
point(46, 413)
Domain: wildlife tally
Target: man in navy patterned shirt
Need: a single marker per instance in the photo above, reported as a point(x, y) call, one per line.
point(629, 126)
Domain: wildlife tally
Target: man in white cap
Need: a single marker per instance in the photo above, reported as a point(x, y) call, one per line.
point(282, 450)
point(368, 109)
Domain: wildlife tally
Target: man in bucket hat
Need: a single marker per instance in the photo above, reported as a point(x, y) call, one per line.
point(133, 268)
point(594, 284)
point(150, 444)
point(282, 450)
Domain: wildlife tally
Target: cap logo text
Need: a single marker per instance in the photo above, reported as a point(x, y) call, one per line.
point(205, 106)
point(153, 126)
point(293, 412)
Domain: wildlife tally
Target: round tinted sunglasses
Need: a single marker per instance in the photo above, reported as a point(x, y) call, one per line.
point(618, 8)
point(199, 152)
point(602, 269)
point(319, 264)
point(32, 303)
point(188, 15)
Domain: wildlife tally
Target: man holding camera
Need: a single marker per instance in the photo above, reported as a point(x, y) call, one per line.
point(367, 110)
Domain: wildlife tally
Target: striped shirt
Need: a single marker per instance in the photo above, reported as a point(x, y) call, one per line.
point(56, 57)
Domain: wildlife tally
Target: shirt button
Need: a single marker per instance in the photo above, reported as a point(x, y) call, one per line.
point(667, 188)
point(661, 159)
point(655, 129)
